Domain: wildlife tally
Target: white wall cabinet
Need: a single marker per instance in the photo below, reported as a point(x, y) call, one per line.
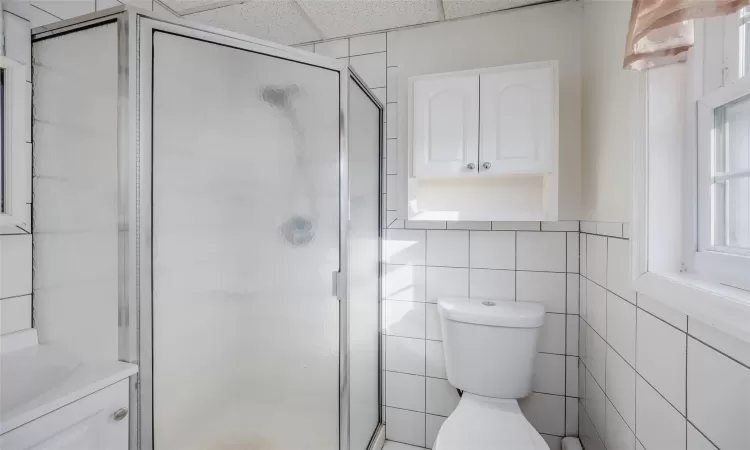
point(483, 144)
point(517, 121)
point(446, 126)
point(96, 422)
point(495, 121)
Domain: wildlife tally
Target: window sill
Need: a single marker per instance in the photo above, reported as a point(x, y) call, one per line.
point(720, 306)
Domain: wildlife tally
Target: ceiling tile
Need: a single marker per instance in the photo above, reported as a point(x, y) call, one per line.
point(66, 10)
point(346, 17)
point(183, 5)
point(277, 21)
point(463, 8)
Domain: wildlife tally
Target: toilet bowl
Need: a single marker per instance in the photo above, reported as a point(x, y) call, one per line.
point(489, 348)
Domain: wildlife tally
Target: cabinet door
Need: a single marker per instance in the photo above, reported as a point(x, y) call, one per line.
point(517, 125)
point(88, 424)
point(445, 121)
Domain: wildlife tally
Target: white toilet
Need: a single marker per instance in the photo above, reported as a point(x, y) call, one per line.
point(489, 347)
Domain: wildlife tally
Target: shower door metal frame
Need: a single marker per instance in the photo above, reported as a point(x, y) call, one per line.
point(135, 30)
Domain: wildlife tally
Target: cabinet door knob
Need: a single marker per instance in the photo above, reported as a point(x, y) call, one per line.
point(471, 166)
point(120, 414)
point(487, 165)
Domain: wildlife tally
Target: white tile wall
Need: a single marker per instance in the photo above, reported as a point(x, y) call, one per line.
point(15, 243)
point(670, 382)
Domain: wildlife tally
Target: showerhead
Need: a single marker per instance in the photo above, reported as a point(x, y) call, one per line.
point(279, 96)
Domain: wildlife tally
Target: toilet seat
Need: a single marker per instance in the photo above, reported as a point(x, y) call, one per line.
point(483, 423)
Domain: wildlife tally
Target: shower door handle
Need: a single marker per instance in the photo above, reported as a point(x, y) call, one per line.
point(336, 285)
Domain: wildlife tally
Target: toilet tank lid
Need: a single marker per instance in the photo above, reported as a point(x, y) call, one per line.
point(497, 313)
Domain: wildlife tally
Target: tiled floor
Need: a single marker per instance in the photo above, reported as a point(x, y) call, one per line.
point(390, 445)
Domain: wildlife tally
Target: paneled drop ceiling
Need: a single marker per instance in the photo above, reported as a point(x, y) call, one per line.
point(300, 21)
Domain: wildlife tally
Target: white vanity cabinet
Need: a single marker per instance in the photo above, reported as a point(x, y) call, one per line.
point(495, 121)
point(96, 422)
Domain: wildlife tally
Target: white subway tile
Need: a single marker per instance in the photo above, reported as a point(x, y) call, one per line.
point(621, 327)
point(588, 227)
point(469, 225)
point(391, 129)
point(391, 156)
point(425, 224)
point(583, 297)
point(621, 386)
point(15, 265)
point(609, 228)
point(516, 226)
point(545, 412)
point(571, 416)
point(618, 435)
point(718, 393)
point(660, 357)
point(596, 308)
point(596, 259)
point(405, 247)
point(493, 249)
point(405, 426)
point(392, 82)
point(572, 256)
point(552, 334)
point(594, 402)
point(573, 294)
point(406, 355)
point(448, 248)
point(582, 239)
point(433, 330)
point(546, 288)
point(561, 225)
point(596, 356)
point(369, 43)
point(541, 251)
point(657, 424)
point(15, 314)
point(549, 374)
point(664, 312)
point(405, 319)
point(406, 283)
point(442, 398)
point(581, 379)
point(730, 345)
point(618, 269)
point(571, 376)
point(495, 284)
point(405, 391)
point(588, 434)
point(379, 93)
point(696, 441)
point(626, 230)
point(435, 365)
point(338, 48)
point(571, 342)
point(433, 427)
point(447, 282)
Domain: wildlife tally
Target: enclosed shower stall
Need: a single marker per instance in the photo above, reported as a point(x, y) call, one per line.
point(208, 206)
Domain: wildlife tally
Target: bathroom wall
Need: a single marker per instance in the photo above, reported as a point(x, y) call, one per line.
point(530, 261)
point(15, 243)
point(652, 378)
point(608, 98)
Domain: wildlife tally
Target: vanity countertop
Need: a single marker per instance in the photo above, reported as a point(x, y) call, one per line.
point(38, 379)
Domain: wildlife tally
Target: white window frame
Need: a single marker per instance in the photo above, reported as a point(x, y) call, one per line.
point(16, 171)
point(671, 261)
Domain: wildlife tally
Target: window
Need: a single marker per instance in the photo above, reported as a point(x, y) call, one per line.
point(14, 170)
point(723, 161)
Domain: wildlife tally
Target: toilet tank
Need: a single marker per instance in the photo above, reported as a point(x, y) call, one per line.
point(490, 345)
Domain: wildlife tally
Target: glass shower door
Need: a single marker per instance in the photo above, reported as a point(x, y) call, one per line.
point(245, 241)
